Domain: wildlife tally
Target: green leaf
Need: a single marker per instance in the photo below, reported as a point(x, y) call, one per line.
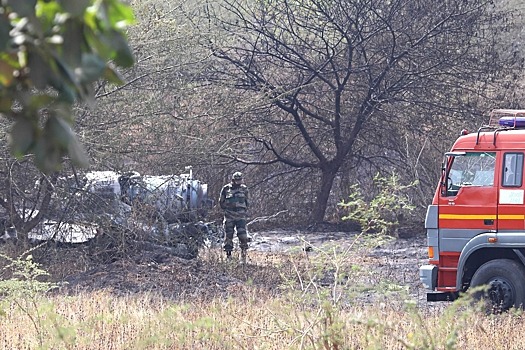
point(8, 64)
point(73, 40)
point(48, 155)
point(74, 7)
point(5, 105)
point(119, 14)
point(58, 131)
point(77, 154)
point(46, 11)
point(66, 45)
point(36, 102)
point(22, 137)
point(24, 8)
point(112, 76)
point(92, 68)
point(64, 111)
point(66, 93)
point(101, 44)
point(5, 27)
point(123, 56)
point(10, 58)
point(6, 73)
point(39, 70)
point(65, 82)
point(59, 141)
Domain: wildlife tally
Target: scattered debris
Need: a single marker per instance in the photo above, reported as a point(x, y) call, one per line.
point(163, 210)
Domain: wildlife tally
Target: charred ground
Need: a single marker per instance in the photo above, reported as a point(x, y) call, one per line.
point(274, 255)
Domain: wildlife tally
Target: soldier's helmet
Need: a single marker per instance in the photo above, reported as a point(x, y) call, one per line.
point(237, 175)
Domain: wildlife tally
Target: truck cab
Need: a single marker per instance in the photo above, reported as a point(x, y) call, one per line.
point(476, 223)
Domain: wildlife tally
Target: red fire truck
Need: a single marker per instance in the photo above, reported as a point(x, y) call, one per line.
point(476, 222)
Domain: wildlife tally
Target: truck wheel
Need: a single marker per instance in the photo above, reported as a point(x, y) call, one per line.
point(506, 284)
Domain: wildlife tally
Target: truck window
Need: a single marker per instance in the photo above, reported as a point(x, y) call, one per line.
point(471, 169)
point(513, 169)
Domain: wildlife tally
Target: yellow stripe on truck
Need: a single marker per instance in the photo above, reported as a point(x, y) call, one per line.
point(511, 217)
point(480, 217)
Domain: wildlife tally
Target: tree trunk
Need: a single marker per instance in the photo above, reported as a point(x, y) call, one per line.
point(321, 202)
point(12, 201)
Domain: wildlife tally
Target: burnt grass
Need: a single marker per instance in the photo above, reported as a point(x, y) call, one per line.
point(129, 268)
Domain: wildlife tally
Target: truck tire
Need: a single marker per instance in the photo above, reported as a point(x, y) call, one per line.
point(506, 284)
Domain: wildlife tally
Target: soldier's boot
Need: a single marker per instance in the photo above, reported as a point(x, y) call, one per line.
point(243, 256)
point(228, 247)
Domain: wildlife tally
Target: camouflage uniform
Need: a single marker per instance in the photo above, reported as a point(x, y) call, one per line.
point(234, 201)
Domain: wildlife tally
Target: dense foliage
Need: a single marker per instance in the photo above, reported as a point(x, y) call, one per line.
point(306, 98)
point(51, 52)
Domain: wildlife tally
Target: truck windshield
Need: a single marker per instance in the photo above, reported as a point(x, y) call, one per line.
point(471, 169)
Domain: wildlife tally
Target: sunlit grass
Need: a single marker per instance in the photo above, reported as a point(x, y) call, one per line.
point(101, 321)
point(329, 299)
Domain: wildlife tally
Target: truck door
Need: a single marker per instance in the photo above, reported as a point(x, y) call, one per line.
point(469, 203)
point(467, 206)
point(511, 195)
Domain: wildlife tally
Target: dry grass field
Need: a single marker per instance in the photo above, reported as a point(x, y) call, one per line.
point(343, 294)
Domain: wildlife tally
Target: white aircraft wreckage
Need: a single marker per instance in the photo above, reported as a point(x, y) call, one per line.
point(168, 210)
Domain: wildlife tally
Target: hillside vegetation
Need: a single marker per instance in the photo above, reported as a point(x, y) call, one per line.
point(306, 109)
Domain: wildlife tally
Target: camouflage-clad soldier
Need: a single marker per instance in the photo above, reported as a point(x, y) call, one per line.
point(234, 202)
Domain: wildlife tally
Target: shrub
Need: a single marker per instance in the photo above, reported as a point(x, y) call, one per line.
point(383, 213)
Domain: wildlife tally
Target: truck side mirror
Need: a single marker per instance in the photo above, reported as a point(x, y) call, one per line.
point(444, 180)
